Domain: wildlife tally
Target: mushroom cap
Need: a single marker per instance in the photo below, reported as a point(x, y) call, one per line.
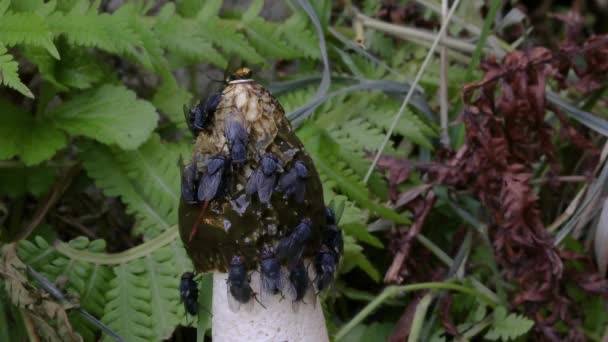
point(235, 223)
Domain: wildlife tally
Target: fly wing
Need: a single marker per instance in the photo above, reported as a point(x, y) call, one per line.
point(233, 304)
point(208, 186)
point(266, 187)
point(284, 247)
point(287, 181)
point(310, 297)
point(216, 165)
point(252, 183)
point(237, 138)
point(239, 152)
point(188, 182)
point(266, 288)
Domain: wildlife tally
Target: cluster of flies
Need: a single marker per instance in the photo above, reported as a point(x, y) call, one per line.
point(293, 279)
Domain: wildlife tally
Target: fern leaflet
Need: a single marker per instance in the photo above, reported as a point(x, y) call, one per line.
point(8, 73)
point(26, 29)
point(147, 180)
point(509, 327)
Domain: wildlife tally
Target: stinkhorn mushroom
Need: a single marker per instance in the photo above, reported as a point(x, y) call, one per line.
point(252, 212)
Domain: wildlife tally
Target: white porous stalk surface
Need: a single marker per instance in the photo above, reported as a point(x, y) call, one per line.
point(277, 323)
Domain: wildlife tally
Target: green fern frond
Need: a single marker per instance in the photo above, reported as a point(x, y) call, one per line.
point(224, 34)
point(265, 37)
point(104, 31)
point(147, 181)
point(183, 37)
point(24, 136)
point(143, 303)
point(508, 327)
point(9, 75)
point(128, 309)
point(410, 125)
point(109, 114)
point(170, 100)
point(298, 35)
point(354, 257)
point(18, 181)
point(88, 281)
point(356, 138)
point(324, 152)
point(38, 6)
point(26, 29)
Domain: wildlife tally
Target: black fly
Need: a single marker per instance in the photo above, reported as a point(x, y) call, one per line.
point(290, 248)
point(239, 289)
point(212, 179)
point(300, 287)
point(188, 292)
point(200, 116)
point(271, 276)
point(237, 138)
point(264, 179)
point(209, 187)
point(332, 234)
point(190, 177)
point(293, 182)
point(325, 263)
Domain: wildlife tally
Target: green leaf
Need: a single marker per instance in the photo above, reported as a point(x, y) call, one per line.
point(107, 32)
point(210, 8)
point(297, 34)
point(9, 75)
point(88, 281)
point(78, 69)
point(264, 37)
point(27, 29)
point(418, 320)
point(205, 302)
point(143, 303)
point(19, 181)
point(509, 327)
point(373, 332)
point(109, 114)
point(24, 136)
point(128, 309)
point(320, 149)
point(253, 12)
point(183, 37)
point(146, 179)
point(45, 63)
point(354, 257)
point(171, 100)
point(224, 34)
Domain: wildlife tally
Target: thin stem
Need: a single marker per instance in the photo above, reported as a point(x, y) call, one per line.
point(477, 328)
point(405, 32)
point(443, 84)
point(482, 229)
point(130, 254)
point(485, 32)
point(438, 252)
point(563, 179)
point(410, 92)
point(499, 46)
point(392, 291)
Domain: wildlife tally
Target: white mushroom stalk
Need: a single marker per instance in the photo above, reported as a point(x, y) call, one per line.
point(277, 322)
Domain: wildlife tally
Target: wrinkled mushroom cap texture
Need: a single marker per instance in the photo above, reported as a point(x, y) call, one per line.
point(237, 224)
